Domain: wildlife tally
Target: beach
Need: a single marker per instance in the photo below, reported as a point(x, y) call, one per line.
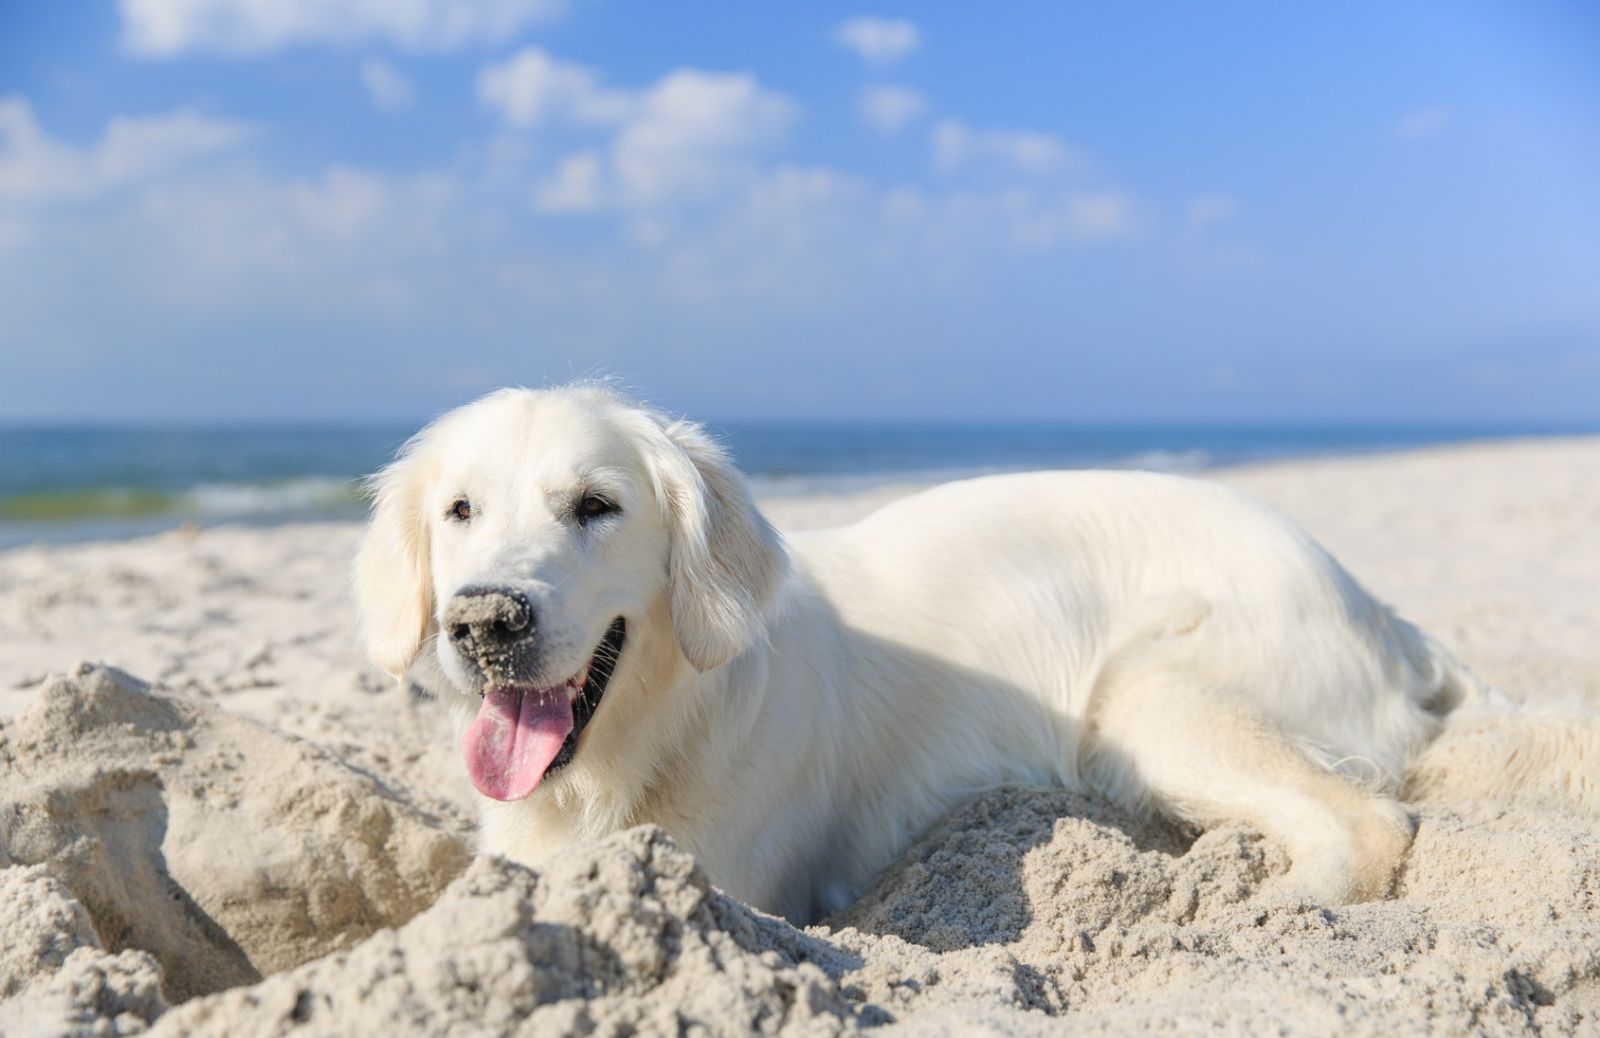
point(217, 818)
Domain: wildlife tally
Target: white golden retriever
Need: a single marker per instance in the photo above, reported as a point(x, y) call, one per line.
point(626, 640)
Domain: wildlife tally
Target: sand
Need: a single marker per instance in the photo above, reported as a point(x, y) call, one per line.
point(230, 824)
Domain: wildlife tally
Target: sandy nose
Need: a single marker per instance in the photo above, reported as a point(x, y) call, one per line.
point(487, 616)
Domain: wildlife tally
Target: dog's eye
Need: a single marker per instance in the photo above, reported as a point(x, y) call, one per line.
point(593, 506)
point(461, 511)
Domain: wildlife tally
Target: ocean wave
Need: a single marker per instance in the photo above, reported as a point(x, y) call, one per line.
point(311, 495)
point(305, 496)
point(1192, 460)
point(328, 497)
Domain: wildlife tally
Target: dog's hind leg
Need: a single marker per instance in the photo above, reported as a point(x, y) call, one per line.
point(1163, 737)
point(1532, 756)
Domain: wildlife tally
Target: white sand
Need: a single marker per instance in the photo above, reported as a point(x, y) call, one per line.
point(258, 802)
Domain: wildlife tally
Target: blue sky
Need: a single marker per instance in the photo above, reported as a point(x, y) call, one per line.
point(292, 209)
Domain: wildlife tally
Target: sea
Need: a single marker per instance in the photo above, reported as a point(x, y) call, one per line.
point(61, 483)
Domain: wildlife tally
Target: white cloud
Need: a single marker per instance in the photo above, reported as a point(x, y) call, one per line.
point(1423, 122)
point(1099, 214)
point(344, 203)
point(186, 247)
point(889, 108)
point(1209, 210)
point(995, 221)
point(34, 167)
point(532, 87)
point(389, 90)
point(695, 130)
point(575, 188)
point(167, 28)
point(878, 41)
point(790, 235)
point(956, 145)
point(696, 217)
point(680, 138)
point(1041, 221)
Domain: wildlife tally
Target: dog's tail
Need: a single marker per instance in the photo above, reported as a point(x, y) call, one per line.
point(1493, 748)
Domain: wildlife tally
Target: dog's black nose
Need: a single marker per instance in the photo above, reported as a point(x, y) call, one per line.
point(487, 616)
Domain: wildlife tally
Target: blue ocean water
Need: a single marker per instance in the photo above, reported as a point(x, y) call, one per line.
point(64, 483)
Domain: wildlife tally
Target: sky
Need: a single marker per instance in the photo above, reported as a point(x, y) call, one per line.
point(366, 210)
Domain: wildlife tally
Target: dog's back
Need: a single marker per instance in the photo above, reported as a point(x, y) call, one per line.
point(1036, 580)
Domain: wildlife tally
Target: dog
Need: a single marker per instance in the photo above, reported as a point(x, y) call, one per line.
point(624, 639)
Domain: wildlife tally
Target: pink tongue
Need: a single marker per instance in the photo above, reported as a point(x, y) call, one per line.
point(515, 736)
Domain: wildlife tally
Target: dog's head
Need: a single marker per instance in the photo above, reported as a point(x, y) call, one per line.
point(553, 549)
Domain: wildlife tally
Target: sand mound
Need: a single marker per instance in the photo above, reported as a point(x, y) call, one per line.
point(162, 846)
point(1123, 930)
point(225, 849)
point(627, 937)
point(55, 979)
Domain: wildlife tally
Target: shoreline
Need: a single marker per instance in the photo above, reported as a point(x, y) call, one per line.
point(788, 495)
point(170, 568)
point(242, 556)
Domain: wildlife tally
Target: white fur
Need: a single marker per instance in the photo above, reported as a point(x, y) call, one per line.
point(796, 711)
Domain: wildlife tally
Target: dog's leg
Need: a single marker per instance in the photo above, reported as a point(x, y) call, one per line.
point(1522, 755)
point(1162, 737)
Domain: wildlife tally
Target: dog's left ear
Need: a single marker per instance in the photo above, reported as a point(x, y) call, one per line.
point(726, 559)
point(392, 583)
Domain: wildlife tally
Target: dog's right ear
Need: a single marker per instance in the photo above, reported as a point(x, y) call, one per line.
point(726, 561)
point(393, 588)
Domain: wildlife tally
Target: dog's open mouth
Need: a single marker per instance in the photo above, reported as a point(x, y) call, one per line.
point(523, 733)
